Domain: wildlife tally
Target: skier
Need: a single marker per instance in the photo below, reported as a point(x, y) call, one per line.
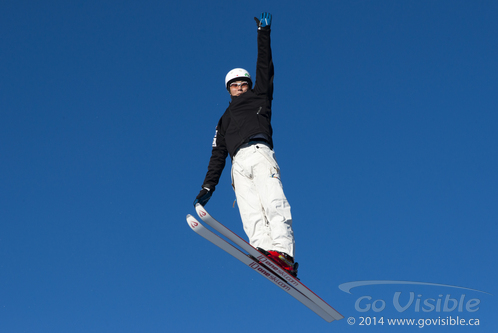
point(244, 132)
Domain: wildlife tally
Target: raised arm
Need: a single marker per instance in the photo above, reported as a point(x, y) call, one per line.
point(264, 65)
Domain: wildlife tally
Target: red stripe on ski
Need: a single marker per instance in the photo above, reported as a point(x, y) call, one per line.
point(236, 239)
point(270, 275)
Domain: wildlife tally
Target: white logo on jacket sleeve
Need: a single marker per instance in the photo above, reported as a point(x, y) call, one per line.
point(215, 136)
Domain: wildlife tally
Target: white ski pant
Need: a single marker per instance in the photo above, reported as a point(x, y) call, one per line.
point(264, 209)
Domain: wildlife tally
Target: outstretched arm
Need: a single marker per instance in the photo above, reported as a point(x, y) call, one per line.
point(264, 65)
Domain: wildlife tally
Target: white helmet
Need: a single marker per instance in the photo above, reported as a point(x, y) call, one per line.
point(237, 74)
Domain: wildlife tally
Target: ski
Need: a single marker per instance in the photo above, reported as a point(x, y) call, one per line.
point(196, 226)
point(291, 280)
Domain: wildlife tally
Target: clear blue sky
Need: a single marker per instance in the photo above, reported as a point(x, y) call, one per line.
point(385, 122)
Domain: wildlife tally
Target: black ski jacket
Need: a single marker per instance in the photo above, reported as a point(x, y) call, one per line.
point(247, 115)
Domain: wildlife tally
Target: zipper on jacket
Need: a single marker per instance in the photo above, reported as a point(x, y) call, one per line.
point(259, 110)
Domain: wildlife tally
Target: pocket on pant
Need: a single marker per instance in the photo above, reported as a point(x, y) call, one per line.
point(270, 156)
point(239, 170)
point(275, 172)
point(231, 175)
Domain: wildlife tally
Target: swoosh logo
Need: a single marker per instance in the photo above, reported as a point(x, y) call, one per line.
point(346, 287)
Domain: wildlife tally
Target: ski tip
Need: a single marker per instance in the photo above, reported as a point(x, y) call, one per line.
point(201, 211)
point(193, 223)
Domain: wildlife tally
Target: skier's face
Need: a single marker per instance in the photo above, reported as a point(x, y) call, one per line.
point(238, 88)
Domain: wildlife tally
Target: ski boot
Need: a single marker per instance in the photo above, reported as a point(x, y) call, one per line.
point(284, 260)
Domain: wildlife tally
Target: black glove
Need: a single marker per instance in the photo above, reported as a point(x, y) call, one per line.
point(203, 196)
point(264, 21)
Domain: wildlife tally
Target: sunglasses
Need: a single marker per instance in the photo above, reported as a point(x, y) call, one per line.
point(240, 84)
